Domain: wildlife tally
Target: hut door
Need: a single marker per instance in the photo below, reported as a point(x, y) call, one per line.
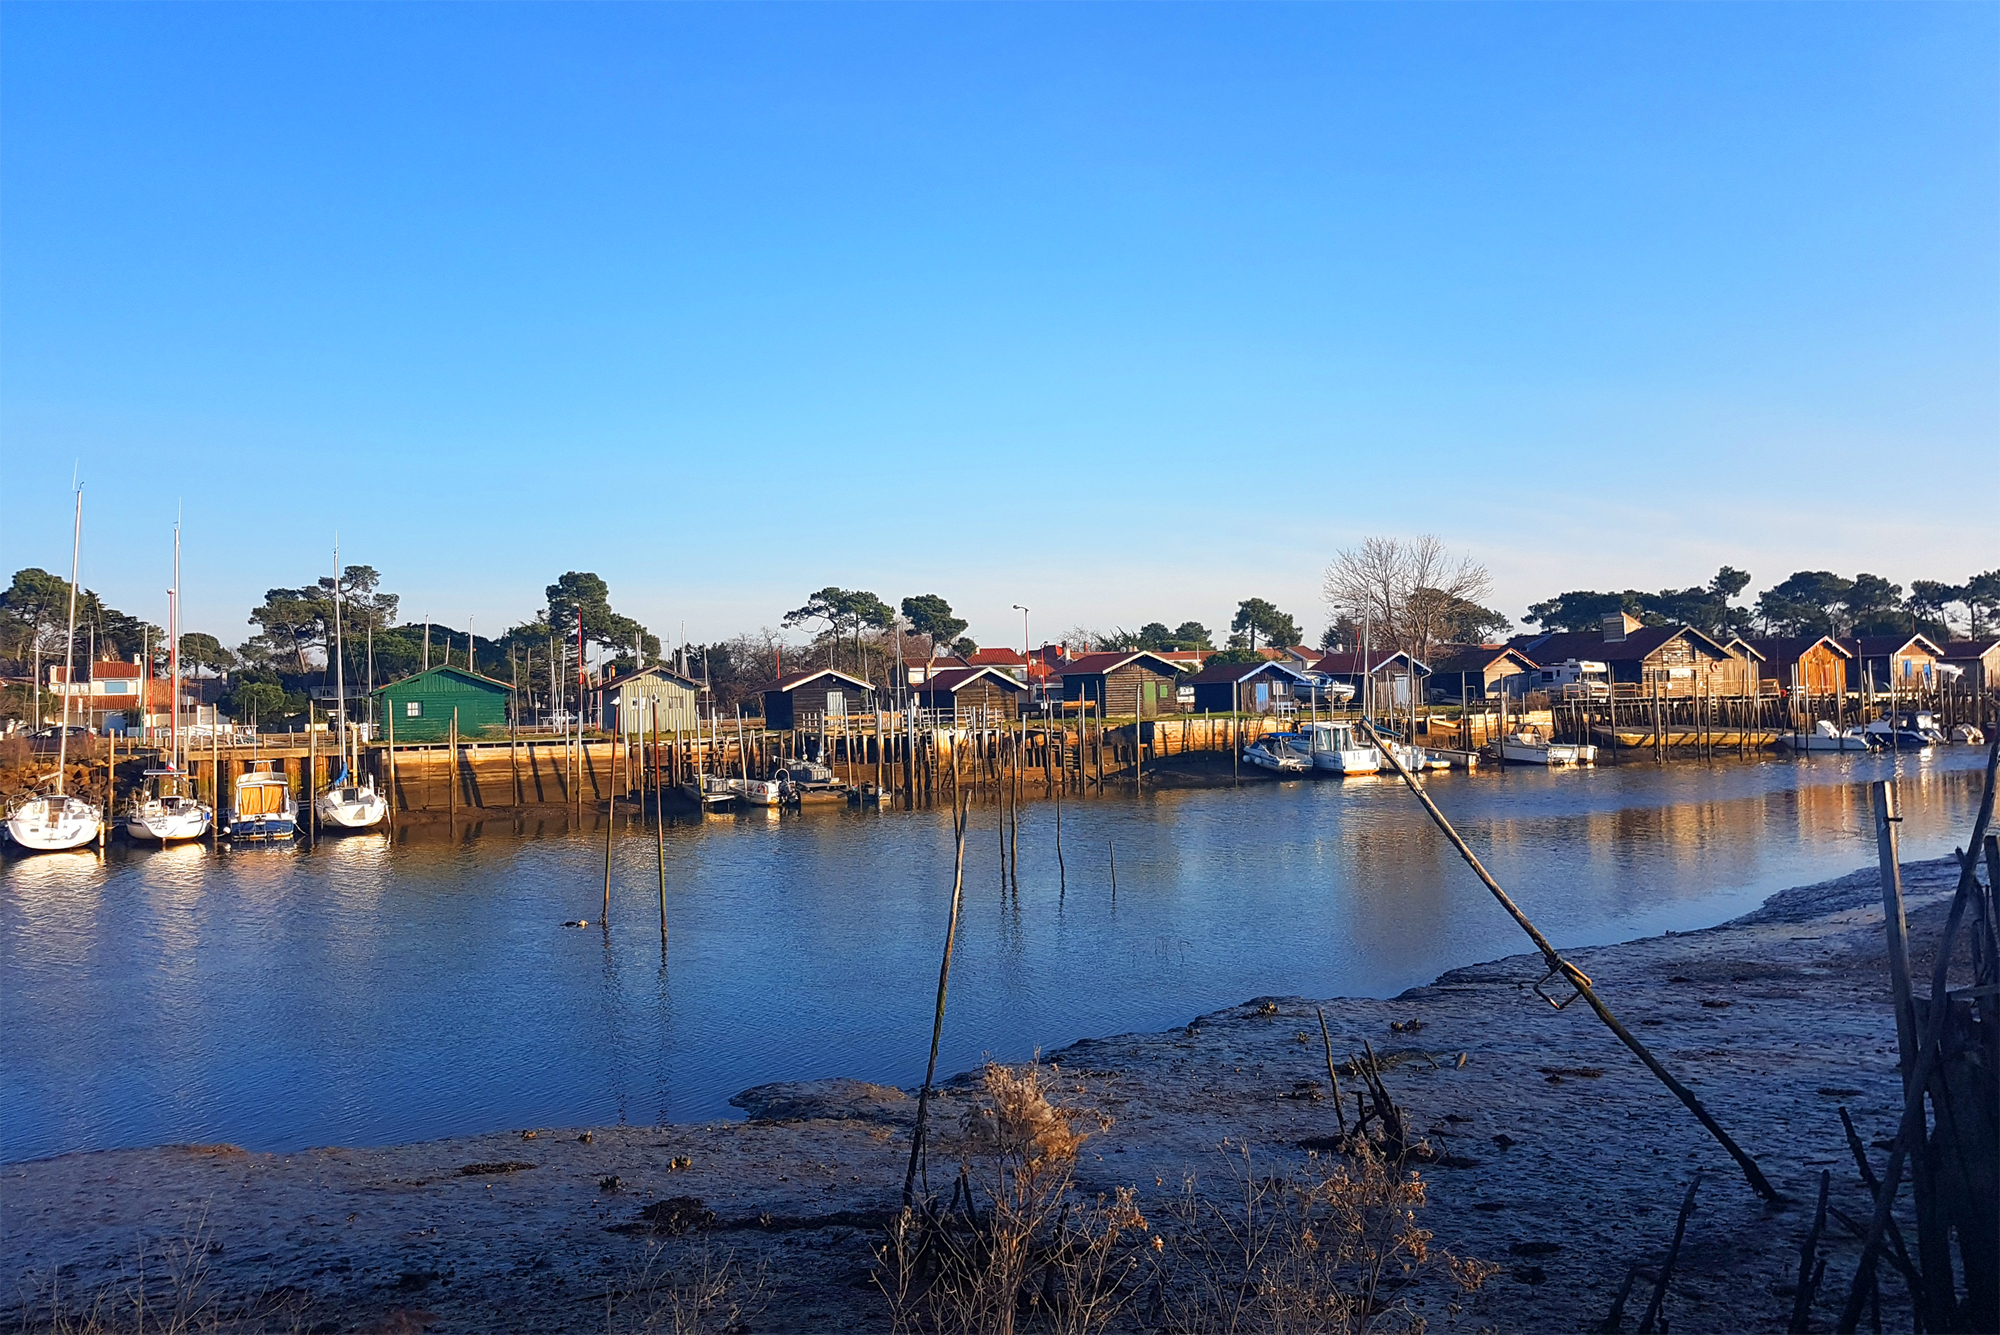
point(836, 702)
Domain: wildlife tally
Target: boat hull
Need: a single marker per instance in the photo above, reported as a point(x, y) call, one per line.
point(167, 827)
point(361, 814)
point(1559, 753)
point(262, 829)
point(43, 826)
point(1364, 760)
point(1263, 759)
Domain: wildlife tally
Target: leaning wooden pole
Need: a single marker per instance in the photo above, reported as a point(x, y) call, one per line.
point(1577, 978)
point(960, 816)
point(660, 825)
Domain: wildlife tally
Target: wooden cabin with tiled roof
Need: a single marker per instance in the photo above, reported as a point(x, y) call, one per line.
point(1803, 664)
point(982, 693)
point(1893, 663)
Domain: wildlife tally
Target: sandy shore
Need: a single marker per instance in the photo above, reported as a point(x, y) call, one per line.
point(1560, 1139)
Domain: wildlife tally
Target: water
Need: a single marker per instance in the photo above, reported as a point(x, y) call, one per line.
point(363, 994)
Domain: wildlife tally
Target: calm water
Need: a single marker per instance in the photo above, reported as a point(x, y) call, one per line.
point(364, 994)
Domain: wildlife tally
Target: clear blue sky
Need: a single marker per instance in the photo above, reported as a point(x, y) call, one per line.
point(1123, 312)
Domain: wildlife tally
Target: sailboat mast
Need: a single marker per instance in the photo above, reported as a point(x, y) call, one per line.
point(69, 647)
point(339, 667)
point(174, 648)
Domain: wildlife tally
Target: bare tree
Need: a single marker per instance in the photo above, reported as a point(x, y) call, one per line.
point(1408, 590)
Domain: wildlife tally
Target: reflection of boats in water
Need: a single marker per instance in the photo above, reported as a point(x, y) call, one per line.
point(52, 822)
point(263, 808)
point(1529, 747)
point(1825, 737)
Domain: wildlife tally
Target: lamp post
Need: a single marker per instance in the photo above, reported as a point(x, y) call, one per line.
point(1027, 665)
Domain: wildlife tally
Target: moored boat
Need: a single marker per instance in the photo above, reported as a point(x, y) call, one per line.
point(1276, 752)
point(1825, 736)
point(1529, 747)
point(350, 806)
point(1335, 746)
point(757, 792)
point(168, 816)
point(51, 822)
point(263, 806)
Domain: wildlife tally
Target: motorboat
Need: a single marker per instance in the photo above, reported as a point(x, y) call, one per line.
point(1529, 747)
point(1967, 735)
point(1902, 733)
point(1826, 736)
point(1336, 746)
point(758, 792)
point(804, 774)
point(1276, 752)
point(351, 806)
point(263, 806)
point(52, 822)
point(167, 816)
point(709, 791)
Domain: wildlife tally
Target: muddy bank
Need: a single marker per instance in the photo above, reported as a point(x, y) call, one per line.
point(1567, 1159)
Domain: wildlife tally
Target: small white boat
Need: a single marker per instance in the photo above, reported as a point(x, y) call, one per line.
point(756, 792)
point(351, 806)
point(1277, 753)
point(263, 807)
point(53, 822)
point(1967, 735)
point(709, 791)
point(804, 774)
point(1529, 747)
point(1337, 747)
point(1826, 737)
point(166, 817)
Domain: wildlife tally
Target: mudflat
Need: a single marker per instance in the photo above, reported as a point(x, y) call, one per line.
point(1558, 1157)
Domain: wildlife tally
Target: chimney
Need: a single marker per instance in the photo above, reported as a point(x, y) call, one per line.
point(1618, 625)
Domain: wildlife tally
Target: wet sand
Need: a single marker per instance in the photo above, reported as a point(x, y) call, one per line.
point(1560, 1139)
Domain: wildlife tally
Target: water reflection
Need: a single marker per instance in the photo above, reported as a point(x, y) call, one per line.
point(374, 989)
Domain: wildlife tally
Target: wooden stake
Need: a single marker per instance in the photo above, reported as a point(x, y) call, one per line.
point(610, 825)
point(1577, 978)
point(660, 825)
point(959, 820)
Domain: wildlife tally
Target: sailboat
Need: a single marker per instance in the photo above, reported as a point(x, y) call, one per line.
point(51, 822)
point(347, 804)
point(170, 815)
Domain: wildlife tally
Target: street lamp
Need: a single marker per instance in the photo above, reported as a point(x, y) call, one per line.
point(1027, 665)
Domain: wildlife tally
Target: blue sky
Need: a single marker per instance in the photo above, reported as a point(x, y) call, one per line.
point(1123, 312)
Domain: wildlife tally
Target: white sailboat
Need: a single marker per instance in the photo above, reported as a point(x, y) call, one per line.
point(51, 822)
point(346, 804)
point(167, 816)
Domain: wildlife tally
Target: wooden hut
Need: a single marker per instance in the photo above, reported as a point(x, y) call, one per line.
point(635, 704)
point(985, 693)
point(1127, 683)
point(803, 699)
point(1249, 688)
point(1395, 675)
point(1977, 661)
point(419, 708)
point(1803, 664)
point(1906, 664)
point(1681, 660)
point(1480, 671)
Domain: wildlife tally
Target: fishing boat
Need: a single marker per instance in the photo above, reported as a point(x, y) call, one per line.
point(168, 816)
point(346, 804)
point(804, 774)
point(1276, 752)
point(1415, 758)
point(1529, 747)
point(1337, 747)
point(263, 807)
point(1825, 736)
point(51, 822)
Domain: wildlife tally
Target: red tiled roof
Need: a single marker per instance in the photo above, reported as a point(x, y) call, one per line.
point(995, 658)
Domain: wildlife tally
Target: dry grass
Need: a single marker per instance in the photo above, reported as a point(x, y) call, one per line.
point(1327, 1248)
point(686, 1290)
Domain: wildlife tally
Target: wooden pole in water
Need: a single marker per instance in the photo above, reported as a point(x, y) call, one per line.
point(959, 817)
point(215, 777)
point(312, 775)
point(660, 825)
point(610, 825)
point(1114, 869)
point(451, 771)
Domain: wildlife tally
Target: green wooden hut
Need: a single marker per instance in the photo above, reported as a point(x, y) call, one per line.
point(418, 708)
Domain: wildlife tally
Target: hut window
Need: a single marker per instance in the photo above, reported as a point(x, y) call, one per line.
point(413, 709)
